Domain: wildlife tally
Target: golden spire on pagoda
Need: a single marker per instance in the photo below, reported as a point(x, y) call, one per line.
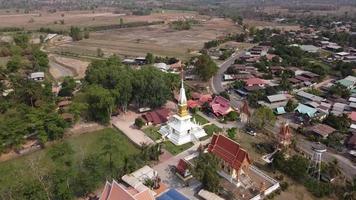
point(182, 102)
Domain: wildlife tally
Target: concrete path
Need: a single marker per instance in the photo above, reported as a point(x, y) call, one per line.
point(171, 180)
point(125, 122)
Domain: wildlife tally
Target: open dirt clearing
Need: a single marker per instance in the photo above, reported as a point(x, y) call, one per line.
point(78, 66)
point(158, 39)
point(40, 19)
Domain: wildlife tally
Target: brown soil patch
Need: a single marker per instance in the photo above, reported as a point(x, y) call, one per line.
point(158, 39)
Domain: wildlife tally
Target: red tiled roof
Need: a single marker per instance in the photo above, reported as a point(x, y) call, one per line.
point(254, 81)
point(192, 103)
point(116, 191)
point(181, 167)
point(157, 116)
point(205, 98)
point(220, 105)
point(352, 116)
point(229, 151)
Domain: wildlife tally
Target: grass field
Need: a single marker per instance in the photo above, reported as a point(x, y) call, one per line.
point(173, 149)
point(152, 132)
point(83, 145)
point(200, 120)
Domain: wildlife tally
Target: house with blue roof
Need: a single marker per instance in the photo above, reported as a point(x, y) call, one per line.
point(304, 109)
point(172, 194)
point(349, 82)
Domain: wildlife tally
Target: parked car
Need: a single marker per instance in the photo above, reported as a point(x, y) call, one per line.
point(251, 131)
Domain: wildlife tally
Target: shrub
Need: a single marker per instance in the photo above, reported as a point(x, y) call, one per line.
point(139, 122)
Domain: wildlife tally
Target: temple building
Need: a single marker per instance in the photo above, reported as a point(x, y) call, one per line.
point(180, 129)
point(284, 136)
point(234, 161)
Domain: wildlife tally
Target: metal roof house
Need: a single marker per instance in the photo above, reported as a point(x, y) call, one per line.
point(303, 109)
point(310, 97)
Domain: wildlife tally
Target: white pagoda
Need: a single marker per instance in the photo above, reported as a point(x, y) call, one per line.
point(180, 129)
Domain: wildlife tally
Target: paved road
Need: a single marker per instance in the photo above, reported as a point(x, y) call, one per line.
point(216, 83)
point(346, 166)
point(171, 180)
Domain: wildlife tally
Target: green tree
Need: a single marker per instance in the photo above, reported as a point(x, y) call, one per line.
point(68, 86)
point(341, 123)
point(263, 116)
point(205, 67)
point(291, 105)
point(76, 33)
point(239, 84)
point(21, 39)
point(100, 103)
point(231, 133)
point(139, 123)
point(150, 87)
point(62, 154)
point(40, 60)
point(150, 59)
point(14, 63)
point(206, 171)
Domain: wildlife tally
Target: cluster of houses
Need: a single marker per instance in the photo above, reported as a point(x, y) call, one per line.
point(235, 169)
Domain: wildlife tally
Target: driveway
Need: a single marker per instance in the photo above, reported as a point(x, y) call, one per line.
point(171, 180)
point(125, 122)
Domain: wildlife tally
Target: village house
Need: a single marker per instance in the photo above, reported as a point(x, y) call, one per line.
point(198, 100)
point(305, 97)
point(253, 84)
point(37, 76)
point(349, 82)
point(118, 191)
point(220, 106)
point(306, 110)
point(352, 117)
point(156, 117)
point(322, 130)
point(234, 161)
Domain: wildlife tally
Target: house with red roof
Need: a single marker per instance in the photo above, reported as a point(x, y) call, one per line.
point(352, 116)
point(220, 106)
point(117, 191)
point(234, 161)
point(198, 100)
point(255, 82)
point(156, 117)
